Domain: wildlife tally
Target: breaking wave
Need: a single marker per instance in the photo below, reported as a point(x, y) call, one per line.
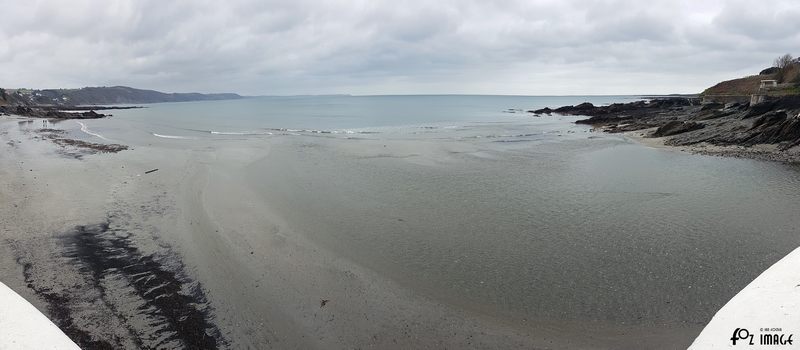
point(318, 131)
point(240, 132)
point(89, 132)
point(172, 137)
point(287, 131)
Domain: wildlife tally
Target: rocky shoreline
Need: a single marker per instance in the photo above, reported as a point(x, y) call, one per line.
point(74, 148)
point(768, 130)
point(62, 112)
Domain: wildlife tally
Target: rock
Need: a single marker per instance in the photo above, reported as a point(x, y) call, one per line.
point(56, 114)
point(769, 119)
point(732, 105)
point(50, 112)
point(672, 102)
point(585, 108)
point(775, 128)
point(711, 106)
point(91, 114)
point(716, 114)
point(545, 110)
point(677, 127)
point(601, 120)
point(22, 110)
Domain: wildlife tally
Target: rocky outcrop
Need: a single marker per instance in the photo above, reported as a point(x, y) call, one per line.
point(684, 122)
point(775, 128)
point(629, 116)
point(48, 112)
point(618, 109)
point(676, 127)
point(65, 112)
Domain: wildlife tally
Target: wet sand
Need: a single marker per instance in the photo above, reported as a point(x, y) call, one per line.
point(75, 228)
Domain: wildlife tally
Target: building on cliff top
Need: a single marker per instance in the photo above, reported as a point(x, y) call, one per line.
point(765, 84)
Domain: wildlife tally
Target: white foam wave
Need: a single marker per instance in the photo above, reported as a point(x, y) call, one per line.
point(318, 131)
point(89, 132)
point(240, 133)
point(171, 136)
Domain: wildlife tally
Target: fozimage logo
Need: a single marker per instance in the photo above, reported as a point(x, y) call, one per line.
point(766, 336)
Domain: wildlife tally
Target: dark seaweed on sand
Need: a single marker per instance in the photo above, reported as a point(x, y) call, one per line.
point(175, 313)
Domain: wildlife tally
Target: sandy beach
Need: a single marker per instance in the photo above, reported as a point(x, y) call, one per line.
point(249, 279)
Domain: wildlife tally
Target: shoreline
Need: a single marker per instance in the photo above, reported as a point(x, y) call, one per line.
point(768, 153)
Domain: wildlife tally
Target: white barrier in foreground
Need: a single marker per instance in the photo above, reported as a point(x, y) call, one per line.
point(763, 315)
point(22, 326)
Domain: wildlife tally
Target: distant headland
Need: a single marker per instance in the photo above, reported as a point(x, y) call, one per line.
point(81, 103)
point(103, 95)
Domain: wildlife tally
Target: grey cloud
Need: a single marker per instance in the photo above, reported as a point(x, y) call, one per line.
point(338, 46)
point(763, 22)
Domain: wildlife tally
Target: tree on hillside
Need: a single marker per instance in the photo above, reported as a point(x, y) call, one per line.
point(784, 61)
point(784, 64)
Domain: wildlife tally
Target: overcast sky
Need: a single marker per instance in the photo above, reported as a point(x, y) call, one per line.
point(393, 47)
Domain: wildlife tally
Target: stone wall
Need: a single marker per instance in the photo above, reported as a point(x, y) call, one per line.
point(726, 98)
